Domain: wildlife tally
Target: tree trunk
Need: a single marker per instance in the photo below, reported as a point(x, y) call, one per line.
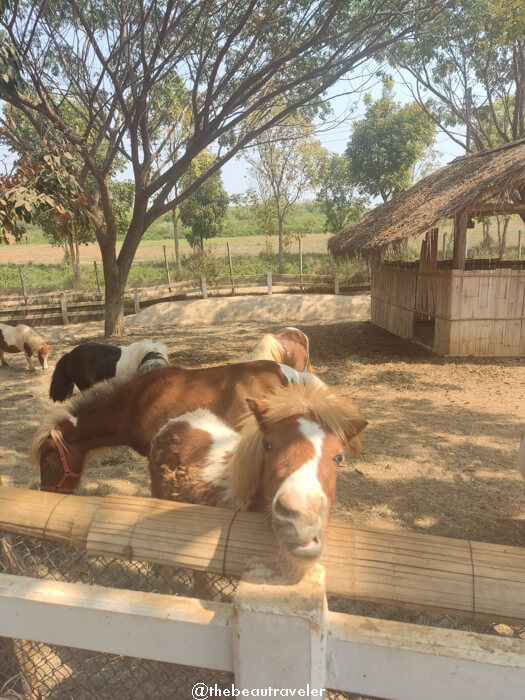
point(74, 258)
point(175, 219)
point(114, 295)
point(281, 246)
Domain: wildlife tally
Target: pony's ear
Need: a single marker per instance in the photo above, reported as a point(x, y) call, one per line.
point(258, 407)
point(353, 432)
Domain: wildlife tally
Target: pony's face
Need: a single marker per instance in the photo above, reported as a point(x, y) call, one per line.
point(298, 479)
point(60, 468)
point(43, 355)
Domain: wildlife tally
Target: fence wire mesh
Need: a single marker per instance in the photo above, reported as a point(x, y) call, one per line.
point(38, 671)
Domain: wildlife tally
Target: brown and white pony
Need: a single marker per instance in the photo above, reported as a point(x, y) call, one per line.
point(113, 413)
point(22, 338)
point(289, 345)
point(282, 462)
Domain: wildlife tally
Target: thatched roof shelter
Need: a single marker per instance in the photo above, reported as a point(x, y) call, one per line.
point(465, 185)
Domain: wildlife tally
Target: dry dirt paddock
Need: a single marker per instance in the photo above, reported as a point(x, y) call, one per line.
point(439, 452)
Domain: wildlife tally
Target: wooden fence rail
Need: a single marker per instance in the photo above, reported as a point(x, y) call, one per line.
point(274, 634)
point(407, 569)
point(73, 307)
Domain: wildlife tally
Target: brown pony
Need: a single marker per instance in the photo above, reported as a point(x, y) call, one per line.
point(113, 413)
point(282, 462)
point(290, 346)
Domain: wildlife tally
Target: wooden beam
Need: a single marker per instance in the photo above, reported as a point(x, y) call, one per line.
point(416, 571)
point(460, 241)
point(117, 621)
point(494, 209)
point(399, 660)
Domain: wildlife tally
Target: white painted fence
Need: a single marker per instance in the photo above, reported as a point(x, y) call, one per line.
point(272, 635)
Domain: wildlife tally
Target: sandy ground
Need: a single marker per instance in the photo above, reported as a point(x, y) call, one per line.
point(440, 451)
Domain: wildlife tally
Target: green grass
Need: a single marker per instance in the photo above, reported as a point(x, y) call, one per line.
point(57, 277)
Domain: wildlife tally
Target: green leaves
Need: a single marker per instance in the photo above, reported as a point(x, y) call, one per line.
point(386, 144)
point(338, 196)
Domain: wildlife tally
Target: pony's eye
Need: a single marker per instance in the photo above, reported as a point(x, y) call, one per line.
point(338, 459)
point(267, 446)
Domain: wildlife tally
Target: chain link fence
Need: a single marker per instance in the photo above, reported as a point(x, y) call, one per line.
point(39, 671)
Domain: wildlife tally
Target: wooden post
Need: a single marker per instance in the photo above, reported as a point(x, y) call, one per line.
point(460, 240)
point(63, 307)
point(336, 284)
point(301, 262)
point(444, 257)
point(519, 244)
point(434, 236)
point(204, 287)
point(97, 277)
point(231, 266)
point(23, 284)
point(167, 266)
point(136, 304)
point(269, 277)
point(292, 621)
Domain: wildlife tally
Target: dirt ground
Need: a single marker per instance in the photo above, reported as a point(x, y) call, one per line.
point(439, 452)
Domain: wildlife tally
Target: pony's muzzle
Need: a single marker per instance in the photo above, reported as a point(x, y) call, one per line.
point(300, 532)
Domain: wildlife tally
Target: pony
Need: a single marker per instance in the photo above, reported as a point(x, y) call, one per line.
point(289, 345)
point(22, 338)
point(91, 363)
point(282, 462)
point(116, 413)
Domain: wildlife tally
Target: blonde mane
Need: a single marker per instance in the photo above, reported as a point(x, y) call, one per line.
point(50, 425)
point(268, 348)
point(327, 405)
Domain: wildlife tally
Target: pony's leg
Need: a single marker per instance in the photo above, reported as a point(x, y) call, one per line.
point(30, 365)
point(2, 359)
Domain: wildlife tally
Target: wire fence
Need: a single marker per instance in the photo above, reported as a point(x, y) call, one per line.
point(39, 671)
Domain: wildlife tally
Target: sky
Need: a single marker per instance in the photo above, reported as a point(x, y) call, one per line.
point(335, 134)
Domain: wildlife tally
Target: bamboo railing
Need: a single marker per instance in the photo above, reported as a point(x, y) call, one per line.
point(407, 569)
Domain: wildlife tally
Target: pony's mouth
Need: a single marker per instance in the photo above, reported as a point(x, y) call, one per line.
point(308, 549)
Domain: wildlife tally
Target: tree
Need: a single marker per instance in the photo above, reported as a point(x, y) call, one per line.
point(468, 71)
point(245, 66)
point(338, 197)
point(43, 186)
point(205, 210)
point(386, 144)
point(287, 161)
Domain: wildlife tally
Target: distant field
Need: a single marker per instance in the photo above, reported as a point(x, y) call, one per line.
point(153, 250)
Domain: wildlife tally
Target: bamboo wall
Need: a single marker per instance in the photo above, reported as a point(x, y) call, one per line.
point(487, 312)
point(476, 312)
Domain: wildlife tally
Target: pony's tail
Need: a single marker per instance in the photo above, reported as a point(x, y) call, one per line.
point(61, 383)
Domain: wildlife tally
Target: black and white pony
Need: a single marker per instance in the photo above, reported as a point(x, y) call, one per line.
point(90, 363)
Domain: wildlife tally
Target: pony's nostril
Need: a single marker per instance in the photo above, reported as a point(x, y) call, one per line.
point(282, 511)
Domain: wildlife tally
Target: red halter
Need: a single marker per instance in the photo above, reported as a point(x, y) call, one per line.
point(67, 473)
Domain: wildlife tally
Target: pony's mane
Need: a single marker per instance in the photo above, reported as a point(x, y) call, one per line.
point(268, 348)
point(86, 398)
point(49, 426)
point(327, 405)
